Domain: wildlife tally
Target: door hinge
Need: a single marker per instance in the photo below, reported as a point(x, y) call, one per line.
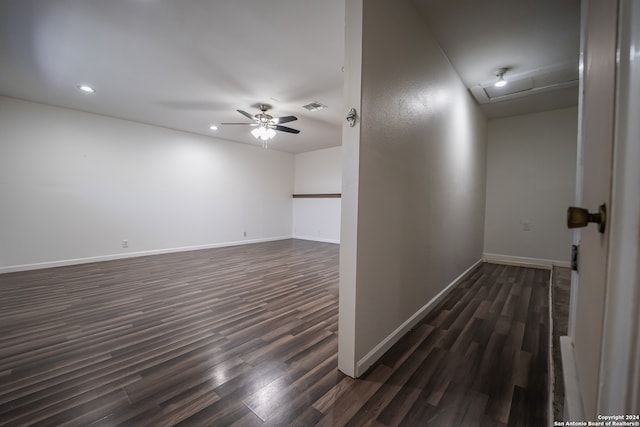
point(574, 257)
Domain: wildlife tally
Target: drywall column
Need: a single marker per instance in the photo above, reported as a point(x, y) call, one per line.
point(350, 180)
point(413, 179)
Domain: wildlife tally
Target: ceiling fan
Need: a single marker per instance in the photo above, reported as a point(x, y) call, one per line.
point(266, 125)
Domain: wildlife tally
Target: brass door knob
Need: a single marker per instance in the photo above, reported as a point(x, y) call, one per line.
point(580, 217)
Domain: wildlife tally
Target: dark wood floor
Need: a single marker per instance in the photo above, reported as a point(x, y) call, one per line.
point(247, 336)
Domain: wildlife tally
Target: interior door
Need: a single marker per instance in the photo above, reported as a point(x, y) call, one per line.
point(596, 123)
point(619, 388)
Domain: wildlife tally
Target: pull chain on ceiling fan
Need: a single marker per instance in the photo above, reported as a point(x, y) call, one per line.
point(265, 124)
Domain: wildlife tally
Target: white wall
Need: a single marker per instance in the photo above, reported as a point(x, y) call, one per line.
point(413, 179)
point(317, 172)
point(530, 184)
point(74, 185)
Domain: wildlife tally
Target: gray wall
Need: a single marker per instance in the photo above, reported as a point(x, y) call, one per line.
point(74, 185)
point(531, 173)
point(413, 178)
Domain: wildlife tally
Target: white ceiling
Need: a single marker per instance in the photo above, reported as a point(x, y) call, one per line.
point(480, 37)
point(189, 64)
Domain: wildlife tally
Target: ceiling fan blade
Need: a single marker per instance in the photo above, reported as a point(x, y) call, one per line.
point(286, 129)
point(285, 119)
point(241, 124)
point(247, 115)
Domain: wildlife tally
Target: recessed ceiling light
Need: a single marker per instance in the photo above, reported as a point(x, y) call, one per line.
point(86, 89)
point(213, 127)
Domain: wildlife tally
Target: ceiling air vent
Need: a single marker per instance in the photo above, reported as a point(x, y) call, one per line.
point(314, 106)
point(540, 80)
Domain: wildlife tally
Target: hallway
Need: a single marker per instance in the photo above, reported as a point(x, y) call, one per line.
point(479, 359)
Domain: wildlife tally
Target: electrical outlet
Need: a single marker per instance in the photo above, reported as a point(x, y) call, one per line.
point(125, 243)
point(526, 225)
point(244, 233)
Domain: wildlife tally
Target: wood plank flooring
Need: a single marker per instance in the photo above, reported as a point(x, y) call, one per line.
point(247, 336)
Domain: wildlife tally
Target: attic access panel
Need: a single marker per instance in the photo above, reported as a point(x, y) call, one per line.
point(511, 88)
point(540, 80)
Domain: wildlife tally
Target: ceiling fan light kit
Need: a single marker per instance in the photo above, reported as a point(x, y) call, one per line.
point(267, 125)
point(263, 132)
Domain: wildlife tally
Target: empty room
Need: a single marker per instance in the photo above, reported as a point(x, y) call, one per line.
point(349, 212)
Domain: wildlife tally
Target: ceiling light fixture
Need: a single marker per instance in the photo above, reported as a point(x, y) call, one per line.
point(86, 89)
point(213, 127)
point(263, 132)
point(265, 124)
point(500, 75)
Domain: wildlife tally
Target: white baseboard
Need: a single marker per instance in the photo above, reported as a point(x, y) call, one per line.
point(523, 261)
point(378, 351)
point(318, 239)
point(75, 261)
